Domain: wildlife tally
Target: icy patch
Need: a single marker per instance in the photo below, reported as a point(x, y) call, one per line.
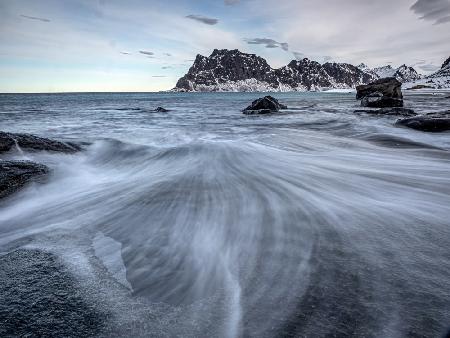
point(109, 251)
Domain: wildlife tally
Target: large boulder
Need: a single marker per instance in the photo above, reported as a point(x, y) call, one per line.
point(265, 105)
point(9, 141)
point(381, 93)
point(388, 86)
point(15, 174)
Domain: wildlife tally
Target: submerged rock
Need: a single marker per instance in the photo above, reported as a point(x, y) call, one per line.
point(161, 110)
point(30, 142)
point(381, 93)
point(388, 111)
point(264, 105)
point(40, 298)
point(426, 123)
point(15, 174)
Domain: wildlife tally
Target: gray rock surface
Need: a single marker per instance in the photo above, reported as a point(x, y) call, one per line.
point(8, 141)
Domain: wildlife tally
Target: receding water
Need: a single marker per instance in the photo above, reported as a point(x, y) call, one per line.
point(204, 222)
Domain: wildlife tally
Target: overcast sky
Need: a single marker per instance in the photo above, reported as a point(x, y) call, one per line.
point(137, 45)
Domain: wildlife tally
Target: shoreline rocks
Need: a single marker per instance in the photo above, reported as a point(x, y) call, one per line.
point(30, 142)
point(264, 105)
point(16, 174)
point(381, 93)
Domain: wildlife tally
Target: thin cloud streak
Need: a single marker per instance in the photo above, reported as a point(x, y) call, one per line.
point(268, 43)
point(203, 19)
point(35, 18)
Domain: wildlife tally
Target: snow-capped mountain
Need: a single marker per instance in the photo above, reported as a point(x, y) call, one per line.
point(438, 80)
point(232, 70)
point(402, 73)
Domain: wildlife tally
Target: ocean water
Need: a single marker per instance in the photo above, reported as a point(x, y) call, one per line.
point(204, 222)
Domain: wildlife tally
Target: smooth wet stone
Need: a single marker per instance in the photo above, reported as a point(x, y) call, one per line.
point(40, 298)
point(264, 105)
point(426, 123)
point(9, 141)
point(16, 174)
point(388, 111)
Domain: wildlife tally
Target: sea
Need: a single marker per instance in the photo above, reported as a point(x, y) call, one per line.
point(205, 222)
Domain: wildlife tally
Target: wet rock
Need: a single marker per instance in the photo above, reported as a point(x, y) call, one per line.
point(379, 101)
point(39, 298)
point(389, 87)
point(15, 174)
point(9, 141)
point(420, 86)
point(387, 111)
point(161, 110)
point(265, 105)
point(426, 123)
point(381, 93)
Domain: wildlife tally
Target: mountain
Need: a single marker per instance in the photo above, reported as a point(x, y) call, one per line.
point(232, 70)
point(438, 80)
point(402, 73)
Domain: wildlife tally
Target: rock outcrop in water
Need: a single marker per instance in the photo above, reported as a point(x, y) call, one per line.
point(30, 142)
point(16, 174)
point(387, 111)
point(434, 123)
point(381, 93)
point(265, 105)
point(232, 70)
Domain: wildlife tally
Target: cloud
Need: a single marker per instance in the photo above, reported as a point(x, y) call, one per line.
point(34, 18)
point(429, 67)
point(203, 19)
point(125, 53)
point(231, 2)
point(327, 58)
point(167, 54)
point(298, 55)
point(146, 52)
point(432, 10)
point(159, 76)
point(269, 43)
point(166, 67)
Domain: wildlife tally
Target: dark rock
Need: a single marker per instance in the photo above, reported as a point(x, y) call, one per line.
point(446, 63)
point(40, 298)
point(15, 174)
point(30, 142)
point(264, 105)
point(258, 112)
point(381, 102)
point(426, 123)
point(388, 111)
point(161, 110)
point(389, 87)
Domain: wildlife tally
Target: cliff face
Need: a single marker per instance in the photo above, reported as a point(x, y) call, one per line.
point(231, 70)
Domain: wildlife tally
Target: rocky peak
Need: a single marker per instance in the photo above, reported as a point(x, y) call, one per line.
point(446, 63)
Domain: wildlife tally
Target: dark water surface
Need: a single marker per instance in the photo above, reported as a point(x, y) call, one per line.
point(204, 222)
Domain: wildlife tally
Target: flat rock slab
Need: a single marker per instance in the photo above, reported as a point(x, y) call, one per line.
point(39, 298)
point(387, 111)
point(426, 123)
point(389, 87)
point(15, 174)
point(9, 141)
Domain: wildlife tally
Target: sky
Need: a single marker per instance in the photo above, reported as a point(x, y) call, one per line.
point(143, 46)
